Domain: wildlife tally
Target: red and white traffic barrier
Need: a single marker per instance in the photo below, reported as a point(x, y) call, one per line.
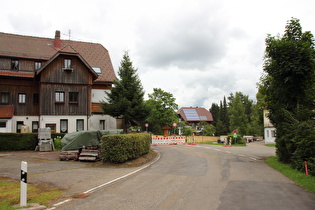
point(171, 140)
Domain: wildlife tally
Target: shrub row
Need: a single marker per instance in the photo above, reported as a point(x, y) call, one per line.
point(119, 148)
point(21, 141)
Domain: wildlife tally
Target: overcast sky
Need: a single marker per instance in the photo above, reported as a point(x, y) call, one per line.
point(198, 50)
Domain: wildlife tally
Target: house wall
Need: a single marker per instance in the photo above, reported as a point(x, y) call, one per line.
point(25, 65)
point(269, 129)
point(29, 87)
point(99, 95)
point(94, 122)
point(46, 120)
point(55, 73)
point(54, 78)
point(8, 128)
point(49, 106)
point(270, 135)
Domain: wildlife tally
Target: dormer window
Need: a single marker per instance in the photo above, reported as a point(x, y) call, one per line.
point(15, 65)
point(38, 65)
point(67, 65)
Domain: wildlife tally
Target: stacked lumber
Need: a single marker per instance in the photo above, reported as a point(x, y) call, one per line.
point(69, 155)
point(89, 155)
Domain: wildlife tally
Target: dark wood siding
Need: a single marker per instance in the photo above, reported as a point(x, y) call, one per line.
point(49, 106)
point(55, 78)
point(5, 64)
point(55, 73)
point(24, 65)
point(29, 87)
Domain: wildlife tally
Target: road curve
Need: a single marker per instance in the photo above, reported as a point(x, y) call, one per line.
point(202, 177)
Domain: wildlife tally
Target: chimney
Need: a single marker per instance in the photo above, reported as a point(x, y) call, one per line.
point(57, 40)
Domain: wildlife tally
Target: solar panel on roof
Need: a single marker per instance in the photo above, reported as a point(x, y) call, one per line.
point(191, 114)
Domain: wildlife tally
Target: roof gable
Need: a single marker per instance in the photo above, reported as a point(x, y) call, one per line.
point(94, 74)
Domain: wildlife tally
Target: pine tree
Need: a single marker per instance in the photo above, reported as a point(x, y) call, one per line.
point(125, 100)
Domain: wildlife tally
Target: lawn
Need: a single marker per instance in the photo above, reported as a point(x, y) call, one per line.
point(36, 193)
point(306, 182)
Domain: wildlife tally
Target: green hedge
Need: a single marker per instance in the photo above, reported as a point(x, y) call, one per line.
point(21, 141)
point(239, 140)
point(119, 148)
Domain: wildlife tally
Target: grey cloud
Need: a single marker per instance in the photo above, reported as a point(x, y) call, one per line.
point(192, 43)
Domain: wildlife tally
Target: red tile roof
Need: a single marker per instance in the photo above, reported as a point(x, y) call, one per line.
point(6, 111)
point(17, 74)
point(203, 114)
point(38, 48)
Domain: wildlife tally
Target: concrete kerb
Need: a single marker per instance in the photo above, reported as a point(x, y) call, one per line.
point(102, 186)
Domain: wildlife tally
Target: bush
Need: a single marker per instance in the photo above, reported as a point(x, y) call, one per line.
point(18, 141)
point(21, 141)
point(119, 148)
point(238, 139)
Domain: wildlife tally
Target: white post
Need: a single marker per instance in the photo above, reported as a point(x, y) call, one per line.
point(23, 195)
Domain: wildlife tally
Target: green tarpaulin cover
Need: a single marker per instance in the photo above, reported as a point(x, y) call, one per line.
point(77, 140)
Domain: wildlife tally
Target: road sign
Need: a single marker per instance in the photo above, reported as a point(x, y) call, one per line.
point(146, 125)
point(174, 124)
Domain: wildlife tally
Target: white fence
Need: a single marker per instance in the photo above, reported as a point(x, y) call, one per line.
point(169, 140)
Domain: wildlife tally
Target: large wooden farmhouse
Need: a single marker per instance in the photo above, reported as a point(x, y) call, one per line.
point(53, 83)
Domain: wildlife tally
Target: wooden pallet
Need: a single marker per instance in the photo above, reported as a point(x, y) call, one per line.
point(89, 155)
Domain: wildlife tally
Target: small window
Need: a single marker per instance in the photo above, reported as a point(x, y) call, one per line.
point(97, 70)
point(67, 64)
point(60, 97)
point(22, 98)
point(52, 127)
point(4, 98)
point(34, 126)
point(2, 124)
point(63, 126)
point(102, 124)
point(18, 126)
point(36, 99)
point(73, 97)
point(15, 65)
point(38, 65)
point(80, 125)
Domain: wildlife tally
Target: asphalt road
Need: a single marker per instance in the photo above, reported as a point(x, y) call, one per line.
point(202, 177)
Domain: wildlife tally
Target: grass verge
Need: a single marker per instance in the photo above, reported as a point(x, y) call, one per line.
point(306, 182)
point(36, 193)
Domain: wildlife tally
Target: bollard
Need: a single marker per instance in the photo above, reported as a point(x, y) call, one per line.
point(306, 168)
point(23, 193)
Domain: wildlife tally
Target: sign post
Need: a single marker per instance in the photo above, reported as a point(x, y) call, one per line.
point(235, 136)
point(146, 127)
point(174, 125)
point(23, 194)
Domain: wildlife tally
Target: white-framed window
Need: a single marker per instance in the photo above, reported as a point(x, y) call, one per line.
point(22, 98)
point(67, 64)
point(80, 125)
point(59, 96)
point(15, 65)
point(63, 126)
point(102, 124)
point(38, 65)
